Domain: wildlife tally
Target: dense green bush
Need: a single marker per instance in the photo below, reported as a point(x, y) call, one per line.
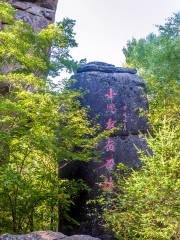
point(39, 126)
point(145, 202)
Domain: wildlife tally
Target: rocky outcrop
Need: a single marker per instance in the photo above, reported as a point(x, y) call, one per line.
point(115, 98)
point(46, 235)
point(38, 13)
point(105, 68)
point(129, 103)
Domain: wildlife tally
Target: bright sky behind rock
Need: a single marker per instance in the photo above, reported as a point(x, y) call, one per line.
point(104, 26)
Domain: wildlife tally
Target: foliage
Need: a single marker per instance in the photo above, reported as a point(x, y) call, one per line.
point(145, 204)
point(6, 13)
point(158, 59)
point(38, 126)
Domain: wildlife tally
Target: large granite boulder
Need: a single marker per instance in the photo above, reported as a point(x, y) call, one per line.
point(115, 98)
point(46, 235)
point(96, 80)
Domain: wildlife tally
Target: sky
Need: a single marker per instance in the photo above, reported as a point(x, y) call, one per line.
point(103, 27)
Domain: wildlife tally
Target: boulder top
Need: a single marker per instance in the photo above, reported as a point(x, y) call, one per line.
point(46, 235)
point(104, 67)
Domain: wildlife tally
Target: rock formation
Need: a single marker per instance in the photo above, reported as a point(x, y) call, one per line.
point(46, 235)
point(38, 13)
point(115, 97)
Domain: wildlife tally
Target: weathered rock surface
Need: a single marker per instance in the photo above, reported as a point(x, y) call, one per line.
point(81, 237)
point(118, 94)
point(130, 94)
point(105, 68)
point(46, 235)
point(115, 97)
point(38, 13)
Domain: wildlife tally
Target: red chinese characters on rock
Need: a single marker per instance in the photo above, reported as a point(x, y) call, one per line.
point(110, 94)
point(107, 185)
point(111, 108)
point(110, 146)
point(110, 124)
point(109, 165)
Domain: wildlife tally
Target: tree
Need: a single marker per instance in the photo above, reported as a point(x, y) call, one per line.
point(158, 59)
point(145, 202)
point(38, 126)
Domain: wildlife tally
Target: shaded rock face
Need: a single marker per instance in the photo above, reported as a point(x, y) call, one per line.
point(46, 235)
point(127, 102)
point(38, 13)
point(115, 97)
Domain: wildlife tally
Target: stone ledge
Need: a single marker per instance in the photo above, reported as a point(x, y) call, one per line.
point(49, 4)
point(46, 235)
point(104, 67)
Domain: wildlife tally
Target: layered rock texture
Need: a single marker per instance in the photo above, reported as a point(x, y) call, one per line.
point(38, 13)
point(115, 98)
point(46, 235)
